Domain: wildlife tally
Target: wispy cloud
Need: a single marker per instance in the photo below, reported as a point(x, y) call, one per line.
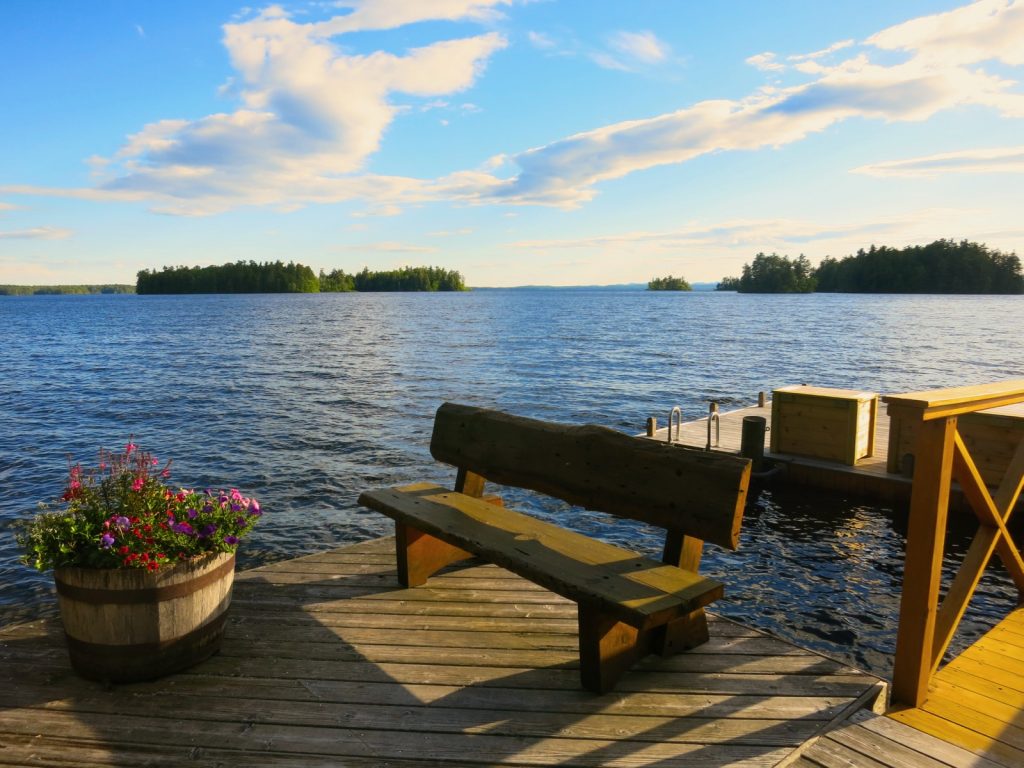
point(392, 14)
point(311, 113)
point(766, 62)
point(541, 40)
point(566, 172)
point(745, 236)
point(996, 160)
point(629, 50)
point(36, 233)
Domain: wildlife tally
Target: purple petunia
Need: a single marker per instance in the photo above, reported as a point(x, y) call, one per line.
point(230, 539)
point(106, 541)
point(122, 522)
point(183, 528)
point(191, 513)
point(207, 530)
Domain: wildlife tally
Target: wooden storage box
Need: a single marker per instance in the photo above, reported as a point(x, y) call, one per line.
point(991, 438)
point(822, 423)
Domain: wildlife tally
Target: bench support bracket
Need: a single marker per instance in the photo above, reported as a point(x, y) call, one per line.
point(420, 555)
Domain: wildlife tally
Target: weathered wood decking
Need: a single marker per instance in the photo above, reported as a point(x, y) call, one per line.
point(868, 477)
point(973, 718)
point(327, 662)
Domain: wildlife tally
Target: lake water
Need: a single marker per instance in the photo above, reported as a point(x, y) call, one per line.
point(306, 400)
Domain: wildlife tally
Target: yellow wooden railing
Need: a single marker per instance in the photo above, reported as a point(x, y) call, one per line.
point(940, 456)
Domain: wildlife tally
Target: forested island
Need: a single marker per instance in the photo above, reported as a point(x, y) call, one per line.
point(63, 290)
point(278, 277)
point(669, 283)
point(944, 266)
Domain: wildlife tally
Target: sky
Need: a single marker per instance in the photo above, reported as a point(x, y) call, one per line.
point(555, 142)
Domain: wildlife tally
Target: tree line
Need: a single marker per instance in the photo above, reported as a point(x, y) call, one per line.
point(669, 283)
point(278, 277)
point(944, 266)
point(404, 279)
point(62, 290)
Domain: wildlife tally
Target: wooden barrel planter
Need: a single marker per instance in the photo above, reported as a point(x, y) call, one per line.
point(128, 625)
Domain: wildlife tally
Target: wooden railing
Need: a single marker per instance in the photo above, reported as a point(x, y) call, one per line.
point(940, 456)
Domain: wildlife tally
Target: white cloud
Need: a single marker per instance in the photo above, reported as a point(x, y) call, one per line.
point(312, 113)
point(310, 117)
point(36, 233)
point(980, 31)
point(642, 46)
point(631, 50)
point(565, 172)
point(7, 206)
point(996, 160)
point(838, 46)
point(391, 14)
point(766, 62)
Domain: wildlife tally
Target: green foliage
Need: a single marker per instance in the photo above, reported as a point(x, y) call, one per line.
point(943, 266)
point(277, 277)
point(409, 279)
point(240, 277)
point(777, 274)
point(336, 282)
point(61, 290)
point(120, 515)
point(669, 283)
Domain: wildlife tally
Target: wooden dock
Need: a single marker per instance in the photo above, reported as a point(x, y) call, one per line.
point(327, 662)
point(868, 477)
point(973, 718)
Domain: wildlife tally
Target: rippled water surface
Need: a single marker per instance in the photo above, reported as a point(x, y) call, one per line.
point(306, 400)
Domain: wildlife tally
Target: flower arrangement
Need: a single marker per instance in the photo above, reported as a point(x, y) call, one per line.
point(122, 515)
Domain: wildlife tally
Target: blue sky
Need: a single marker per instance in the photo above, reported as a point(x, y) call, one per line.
point(518, 141)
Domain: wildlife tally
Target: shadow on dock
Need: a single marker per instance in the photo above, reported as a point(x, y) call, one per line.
point(325, 660)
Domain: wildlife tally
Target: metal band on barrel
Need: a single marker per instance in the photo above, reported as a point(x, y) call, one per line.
point(146, 595)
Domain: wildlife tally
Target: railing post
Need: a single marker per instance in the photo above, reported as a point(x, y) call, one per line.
point(926, 533)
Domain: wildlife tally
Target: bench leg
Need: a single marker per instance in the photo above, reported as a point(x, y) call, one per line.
point(682, 634)
point(607, 649)
point(420, 555)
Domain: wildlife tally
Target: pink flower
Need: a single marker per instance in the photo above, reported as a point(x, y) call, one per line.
point(154, 461)
point(130, 447)
point(139, 482)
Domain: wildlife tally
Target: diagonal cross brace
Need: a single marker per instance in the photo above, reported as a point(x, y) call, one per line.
point(992, 536)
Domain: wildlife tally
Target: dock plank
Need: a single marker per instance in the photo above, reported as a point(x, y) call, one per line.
point(327, 662)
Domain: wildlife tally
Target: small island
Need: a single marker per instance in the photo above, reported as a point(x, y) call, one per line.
point(669, 283)
point(941, 267)
point(278, 277)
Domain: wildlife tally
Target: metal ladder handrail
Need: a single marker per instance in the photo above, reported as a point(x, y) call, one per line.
point(716, 419)
point(679, 424)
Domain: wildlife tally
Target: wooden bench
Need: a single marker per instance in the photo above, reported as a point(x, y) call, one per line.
point(629, 605)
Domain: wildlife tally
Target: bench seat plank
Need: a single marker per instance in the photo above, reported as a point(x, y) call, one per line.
point(637, 590)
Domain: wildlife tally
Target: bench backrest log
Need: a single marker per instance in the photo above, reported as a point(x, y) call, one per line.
point(689, 491)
